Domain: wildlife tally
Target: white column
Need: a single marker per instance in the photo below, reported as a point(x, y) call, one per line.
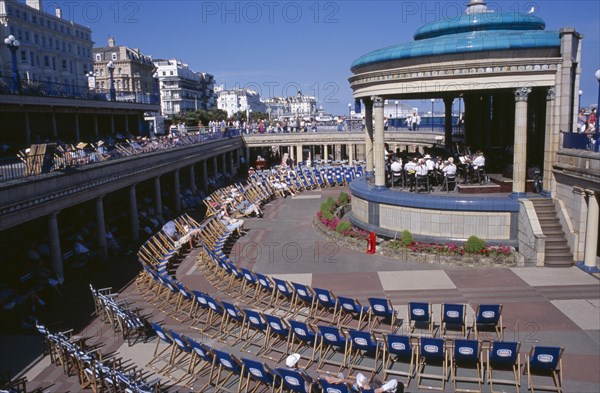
point(27, 130)
point(369, 136)
point(299, 156)
point(77, 131)
point(193, 187)
point(325, 153)
point(550, 140)
point(291, 152)
point(101, 229)
point(55, 252)
point(350, 148)
point(378, 143)
point(591, 230)
point(158, 198)
point(204, 178)
point(133, 214)
point(176, 191)
point(520, 143)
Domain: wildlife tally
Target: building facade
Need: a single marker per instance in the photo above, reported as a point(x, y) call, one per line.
point(54, 54)
point(301, 105)
point(240, 100)
point(182, 89)
point(133, 71)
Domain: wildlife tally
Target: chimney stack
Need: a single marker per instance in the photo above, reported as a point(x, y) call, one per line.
point(58, 12)
point(111, 41)
point(37, 4)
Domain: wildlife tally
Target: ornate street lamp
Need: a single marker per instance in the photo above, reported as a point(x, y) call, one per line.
point(579, 102)
point(157, 91)
point(349, 117)
point(13, 45)
point(432, 102)
point(597, 136)
point(111, 70)
point(91, 75)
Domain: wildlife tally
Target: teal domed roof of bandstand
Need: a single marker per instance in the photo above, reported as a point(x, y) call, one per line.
point(476, 31)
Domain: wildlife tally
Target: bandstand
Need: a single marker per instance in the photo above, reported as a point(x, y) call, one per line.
point(519, 84)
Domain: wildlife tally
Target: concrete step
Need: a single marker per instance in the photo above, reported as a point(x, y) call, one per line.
point(560, 262)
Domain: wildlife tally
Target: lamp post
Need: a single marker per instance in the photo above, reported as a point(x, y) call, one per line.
point(349, 117)
point(597, 136)
point(432, 102)
point(396, 102)
point(111, 70)
point(157, 90)
point(13, 45)
point(579, 101)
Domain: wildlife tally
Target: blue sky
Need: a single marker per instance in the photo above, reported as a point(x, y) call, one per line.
point(276, 47)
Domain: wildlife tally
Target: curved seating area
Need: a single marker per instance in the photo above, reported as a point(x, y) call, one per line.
point(247, 330)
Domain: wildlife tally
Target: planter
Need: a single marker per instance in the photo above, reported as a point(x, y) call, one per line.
point(340, 240)
point(471, 260)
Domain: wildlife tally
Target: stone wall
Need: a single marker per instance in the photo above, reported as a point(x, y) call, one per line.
point(532, 241)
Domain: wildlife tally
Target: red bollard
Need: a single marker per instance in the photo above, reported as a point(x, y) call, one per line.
point(371, 243)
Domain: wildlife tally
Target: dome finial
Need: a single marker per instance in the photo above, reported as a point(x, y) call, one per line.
point(476, 6)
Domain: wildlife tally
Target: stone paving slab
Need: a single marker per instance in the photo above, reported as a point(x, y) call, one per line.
point(584, 312)
point(436, 279)
point(542, 276)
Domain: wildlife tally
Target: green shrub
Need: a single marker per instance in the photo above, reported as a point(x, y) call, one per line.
point(325, 208)
point(474, 245)
point(407, 238)
point(331, 203)
point(327, 215)
point(343, 226)
point(343, 198)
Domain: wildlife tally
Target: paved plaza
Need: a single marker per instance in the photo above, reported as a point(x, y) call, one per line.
point(542, 306)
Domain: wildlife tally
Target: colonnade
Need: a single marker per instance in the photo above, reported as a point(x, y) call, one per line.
point(93, 126)
point(375, 141)
point(229, 161)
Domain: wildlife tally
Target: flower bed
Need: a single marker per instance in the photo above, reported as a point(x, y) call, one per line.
point(450, 249)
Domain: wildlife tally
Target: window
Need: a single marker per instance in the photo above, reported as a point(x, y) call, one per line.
point(44, 41)
point(54, 63)
point(64, 64)
point(50, 42)
point(62, 29)
point(23, 56)
point(31, 58)
point(71, 66)
point(98, 57)
point(78, 51)
point(64, 46)
point(170, 72)
point(27, 36)
point(36, 38)
point(34, 18)
point(46, 61)
point(164, 73)
point(57, 45)
point(114, 56)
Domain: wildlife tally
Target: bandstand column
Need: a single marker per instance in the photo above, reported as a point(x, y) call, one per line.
point(591, 230)
point(448, 122)
point(27, 130)
point(368, 137)
point(291, 153)
point(205, 178)
point(126, 123)
point(133, 214)
point(101, 229)
point(299, 153)
point(158, 198)
point(193, 187)
point(176, 191)
point(77, 131)
point(112, 124)
point(231, 162)
point(215, 167)
point(378, 143)
point(520, 145)
point(248, 156)
point(55, 252)
point(224, 162)
point(549, 144)
point(325, 153)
